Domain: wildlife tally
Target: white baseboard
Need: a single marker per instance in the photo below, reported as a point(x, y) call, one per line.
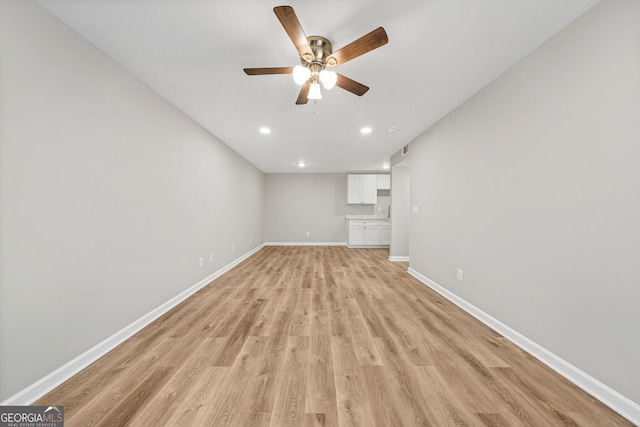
point(305, 244)
point(399, 258)
point(63, 373)
point(324, 244)
point(616, 401)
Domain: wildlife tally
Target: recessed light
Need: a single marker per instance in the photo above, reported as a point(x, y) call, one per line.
point(265, 130)
point(392, 129)
point(301, 164)
point(366, 130)
point(385, 166)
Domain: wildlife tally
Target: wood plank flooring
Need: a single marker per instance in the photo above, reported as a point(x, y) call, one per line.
point(321, 336)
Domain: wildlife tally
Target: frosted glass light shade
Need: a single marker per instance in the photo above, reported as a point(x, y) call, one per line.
point(314, 91)
point(301, 74)
point(328, 78)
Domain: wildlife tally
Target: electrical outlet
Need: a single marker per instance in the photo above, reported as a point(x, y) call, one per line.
point(459, 274)
point(210, 257)
point(250, 239)
point(415, 209)
point(233, 248)
point(307, 234)
point(201, 262)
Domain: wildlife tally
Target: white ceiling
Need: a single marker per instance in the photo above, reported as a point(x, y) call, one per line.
point(440, 53)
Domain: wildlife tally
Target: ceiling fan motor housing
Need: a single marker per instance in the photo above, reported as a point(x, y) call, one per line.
point(321, 48)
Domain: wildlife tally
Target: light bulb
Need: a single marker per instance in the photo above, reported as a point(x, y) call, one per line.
point(314, 91)
point(301, 74)
point(328, 78)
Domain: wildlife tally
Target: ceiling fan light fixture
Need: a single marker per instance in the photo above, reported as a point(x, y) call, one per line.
point(316, 53)
point(328, 78)
point(314, 91)
point(301, 74)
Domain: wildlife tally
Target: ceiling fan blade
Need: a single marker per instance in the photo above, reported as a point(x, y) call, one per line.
point(364, 44)
point(292, 26)
point(304, 92)
point(272, 70)
point(351, 85)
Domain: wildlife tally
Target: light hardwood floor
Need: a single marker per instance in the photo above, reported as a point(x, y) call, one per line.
point(321, 336)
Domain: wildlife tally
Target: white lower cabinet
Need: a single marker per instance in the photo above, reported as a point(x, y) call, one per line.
point(369, 232)
point(372, 233)
point(385, 232)
point(356, 233)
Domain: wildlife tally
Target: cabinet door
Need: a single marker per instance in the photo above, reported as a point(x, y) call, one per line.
point(372, 233)
point(354, 189)
point(384, 182)
point(369, 189)
point(385, 232)
point(356, 233)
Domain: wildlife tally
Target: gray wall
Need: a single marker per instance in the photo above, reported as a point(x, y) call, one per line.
point(532, 188)
point(297, 203)
point(109, 196)
point(400, 188)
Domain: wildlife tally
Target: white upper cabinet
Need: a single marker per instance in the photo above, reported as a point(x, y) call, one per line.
point(362, 189)
point(369, 189)
point(354, 189)
point(384, 182)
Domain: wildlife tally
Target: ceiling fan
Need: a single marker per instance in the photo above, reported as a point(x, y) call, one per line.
point(316, 54)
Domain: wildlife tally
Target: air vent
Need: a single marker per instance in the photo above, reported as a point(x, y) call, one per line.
point(405, 150)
